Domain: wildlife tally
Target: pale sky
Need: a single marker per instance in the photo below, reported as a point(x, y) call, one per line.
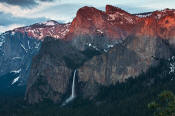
point(16, 13)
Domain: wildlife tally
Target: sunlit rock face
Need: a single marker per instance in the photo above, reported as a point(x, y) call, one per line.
point(105, 48)
point(115, 25)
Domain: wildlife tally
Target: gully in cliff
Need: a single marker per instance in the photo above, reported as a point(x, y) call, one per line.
point(72, 96)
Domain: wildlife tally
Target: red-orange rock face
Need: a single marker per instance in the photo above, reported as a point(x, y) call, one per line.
point(114, 63)
point(87, 21)
point(158, 24)
point(115, 23)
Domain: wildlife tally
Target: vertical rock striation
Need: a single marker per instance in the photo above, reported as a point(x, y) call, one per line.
point(105, 48)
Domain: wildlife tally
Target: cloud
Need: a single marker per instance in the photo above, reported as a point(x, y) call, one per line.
point(53, 10)
point(65, 12)
point(9, 22)
point(26, 12)
point(21, 12)
point(10, 27)
point(24, 3)
point(8, 19)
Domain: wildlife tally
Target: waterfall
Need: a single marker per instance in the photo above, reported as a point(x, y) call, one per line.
point(72, 96)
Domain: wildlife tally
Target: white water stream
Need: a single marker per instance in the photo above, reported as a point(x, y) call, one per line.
point(72, 96)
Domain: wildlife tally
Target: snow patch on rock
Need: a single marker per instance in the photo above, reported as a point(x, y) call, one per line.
point(49, 23)
point(37, 45)
point(15, 80)
point(100, 31)
point(13, 33)
point(1, 43)
point(16, 71)
point(15, 58)
point(23, 47)
point(172, 64)
point(144, 15)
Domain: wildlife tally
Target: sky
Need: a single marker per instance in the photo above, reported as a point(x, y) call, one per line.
point(17, 13)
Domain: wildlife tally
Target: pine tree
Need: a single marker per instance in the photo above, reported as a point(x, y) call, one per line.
point(164, 105)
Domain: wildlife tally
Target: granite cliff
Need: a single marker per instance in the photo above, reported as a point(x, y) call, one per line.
point(105, 48)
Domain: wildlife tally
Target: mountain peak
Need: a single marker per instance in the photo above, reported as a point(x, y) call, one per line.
point(112, 9)
point(49, 28)
point(114, 23)
point(87, 18)
point(50, 23)
point(87, 12)
point(90, 20)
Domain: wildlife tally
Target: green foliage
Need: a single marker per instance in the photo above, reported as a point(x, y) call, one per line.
point(164, 104)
